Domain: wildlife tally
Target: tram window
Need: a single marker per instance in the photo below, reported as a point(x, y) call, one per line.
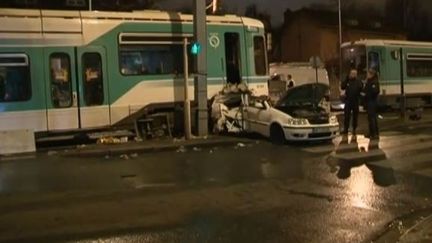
point(15, 83)
point(419, 68)
point(374, 61)
point(260, 56)
point(151, 59)
point(92, 79)
point(61, 85)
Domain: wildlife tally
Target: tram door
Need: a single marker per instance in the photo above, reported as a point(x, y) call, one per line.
point(233, 58)
point(60, 88)
point(93, 99)
point(76, 88)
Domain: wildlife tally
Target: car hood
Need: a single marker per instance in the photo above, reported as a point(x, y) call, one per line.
point(306, 94)
point(306, 101)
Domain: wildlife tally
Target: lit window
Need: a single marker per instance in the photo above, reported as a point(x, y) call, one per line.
point(61, 85)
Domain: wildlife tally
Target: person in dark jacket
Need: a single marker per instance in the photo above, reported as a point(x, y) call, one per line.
point(353, 87)
point(371, 92)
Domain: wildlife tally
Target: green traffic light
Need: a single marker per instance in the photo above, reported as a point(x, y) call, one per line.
point(195, 48)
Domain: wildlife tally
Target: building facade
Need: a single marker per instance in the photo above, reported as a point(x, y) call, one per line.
point(308, 33)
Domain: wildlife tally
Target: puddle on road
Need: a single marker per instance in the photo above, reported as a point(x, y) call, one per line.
point(351, 164)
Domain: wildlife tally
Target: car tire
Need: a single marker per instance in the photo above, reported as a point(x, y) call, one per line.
point(277, 135)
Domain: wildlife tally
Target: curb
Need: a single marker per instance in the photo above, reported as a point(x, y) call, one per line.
point(412, 227)
point(356, 157)
point(116, 150)
point(420, 232)
point(403, 124)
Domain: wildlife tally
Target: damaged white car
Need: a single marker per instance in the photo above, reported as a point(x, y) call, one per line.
point(302, 114)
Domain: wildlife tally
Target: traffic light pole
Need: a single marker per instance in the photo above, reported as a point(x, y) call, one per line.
point(187, 113)
point(402, 85)
point(200, 80)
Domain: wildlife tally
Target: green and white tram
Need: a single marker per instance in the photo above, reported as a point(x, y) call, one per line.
point(383, 55)
point(71, 70)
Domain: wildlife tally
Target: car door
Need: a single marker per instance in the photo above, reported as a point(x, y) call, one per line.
point(258, 117)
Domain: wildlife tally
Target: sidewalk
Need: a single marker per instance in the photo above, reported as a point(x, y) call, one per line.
point(392, 122)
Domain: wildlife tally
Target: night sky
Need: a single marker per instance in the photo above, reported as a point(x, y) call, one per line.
point(274, 7)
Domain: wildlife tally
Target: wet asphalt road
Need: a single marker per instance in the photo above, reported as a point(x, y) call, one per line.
point(306, 201)
point(255, 192)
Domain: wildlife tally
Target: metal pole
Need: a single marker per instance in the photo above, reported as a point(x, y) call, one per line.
point(402, 85)
point(186, 105)
point(200, 33)
point(90, 5)
point(340, 39)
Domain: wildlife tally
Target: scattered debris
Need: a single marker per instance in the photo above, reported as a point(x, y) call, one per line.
point(211, 151)
point(124, 156)
point(241, 145)
point(400, 226)
point(107, 156)
point(138, 139)
point(134, 155)
point(196, 149)
point(81, 146)
point(112, 140)
point(51, 153)
point(181, 149)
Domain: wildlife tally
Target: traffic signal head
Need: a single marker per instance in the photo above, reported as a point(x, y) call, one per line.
point(195, 48)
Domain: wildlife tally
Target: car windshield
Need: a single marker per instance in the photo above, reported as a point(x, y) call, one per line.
point(307, 94)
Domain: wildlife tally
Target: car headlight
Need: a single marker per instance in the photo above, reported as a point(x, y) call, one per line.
point(333, 120)
point(297, 121)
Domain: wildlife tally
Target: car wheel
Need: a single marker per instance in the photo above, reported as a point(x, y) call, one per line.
point(277, 135)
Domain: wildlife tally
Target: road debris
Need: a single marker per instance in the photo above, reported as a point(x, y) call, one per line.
point(51, 153)
point(81, 146)
point(124, 156)
point(196, 149)
point(112, 140)
point(181, 149)
point(241, 145)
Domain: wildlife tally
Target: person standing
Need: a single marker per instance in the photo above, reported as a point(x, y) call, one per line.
point(371, 93)
point(353, 87)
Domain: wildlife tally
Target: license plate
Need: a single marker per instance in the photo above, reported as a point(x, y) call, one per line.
point(321, 130)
